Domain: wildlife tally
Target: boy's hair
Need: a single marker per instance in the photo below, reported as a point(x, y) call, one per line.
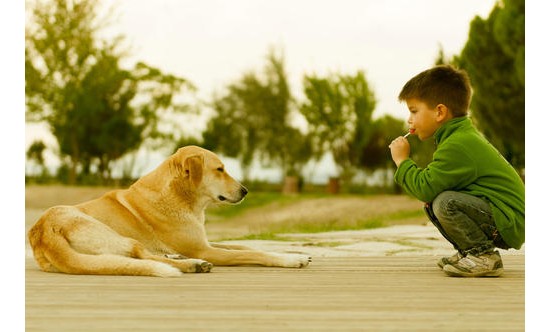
point(440, 85)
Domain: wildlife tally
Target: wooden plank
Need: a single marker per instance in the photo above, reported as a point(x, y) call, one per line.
point(332, 294)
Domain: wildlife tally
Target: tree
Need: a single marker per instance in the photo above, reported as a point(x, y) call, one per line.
point(97, 110)
point(35, 153)
point(375, 153)
point(338, 110)
point(235, 129)
point(494, 57)
point(252, 120)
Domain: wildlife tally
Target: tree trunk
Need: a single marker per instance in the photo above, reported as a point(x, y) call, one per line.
point(291, 185)
point(333, 185)
point(72, 171)
point(75, 156)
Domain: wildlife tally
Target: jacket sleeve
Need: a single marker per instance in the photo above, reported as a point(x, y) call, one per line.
point(452, 168)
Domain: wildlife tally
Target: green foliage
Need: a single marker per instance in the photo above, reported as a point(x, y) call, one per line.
point(74, 82)
point(253, 121)
point(494, 57)
point(36, 152)
point(376, 153)
point(338, 110)
point(509, 31)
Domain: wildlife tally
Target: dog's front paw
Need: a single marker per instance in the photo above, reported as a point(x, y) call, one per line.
point(296, 260)
point(305, 260)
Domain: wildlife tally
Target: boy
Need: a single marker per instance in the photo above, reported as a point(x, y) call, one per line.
point(473, 195)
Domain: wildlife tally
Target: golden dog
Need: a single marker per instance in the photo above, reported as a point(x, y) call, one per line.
point(151, 228)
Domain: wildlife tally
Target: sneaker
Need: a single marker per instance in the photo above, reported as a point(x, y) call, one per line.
point(485, 265)
point(449, 260)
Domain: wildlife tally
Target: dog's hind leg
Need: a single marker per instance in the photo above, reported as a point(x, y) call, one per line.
point(93, 237)
point(65, 240)
point(37, 245)
point(66, 259)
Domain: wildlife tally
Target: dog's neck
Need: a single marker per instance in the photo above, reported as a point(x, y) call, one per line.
point(170, 204)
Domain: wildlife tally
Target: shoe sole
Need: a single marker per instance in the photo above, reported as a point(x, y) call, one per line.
point(443, 261)
point(493, 273)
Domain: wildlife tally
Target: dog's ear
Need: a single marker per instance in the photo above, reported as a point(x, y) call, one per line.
point(192, 169)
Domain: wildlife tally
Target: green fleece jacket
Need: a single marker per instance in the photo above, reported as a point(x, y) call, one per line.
point(465, 161)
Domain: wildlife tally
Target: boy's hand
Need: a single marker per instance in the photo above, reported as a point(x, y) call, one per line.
point(400, 150)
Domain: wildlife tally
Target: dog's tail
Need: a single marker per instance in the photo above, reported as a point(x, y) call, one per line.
point(53, 253)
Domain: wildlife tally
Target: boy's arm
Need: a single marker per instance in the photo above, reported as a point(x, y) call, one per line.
point(451, 169)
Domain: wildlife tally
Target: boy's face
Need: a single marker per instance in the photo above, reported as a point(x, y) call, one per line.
point(423, 121)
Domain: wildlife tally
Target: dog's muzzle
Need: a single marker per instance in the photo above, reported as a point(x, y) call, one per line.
point(242, 193)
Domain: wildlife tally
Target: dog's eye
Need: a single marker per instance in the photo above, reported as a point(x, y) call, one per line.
point(220, 169)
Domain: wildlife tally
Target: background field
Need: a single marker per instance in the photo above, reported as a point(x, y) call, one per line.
point(263, 215)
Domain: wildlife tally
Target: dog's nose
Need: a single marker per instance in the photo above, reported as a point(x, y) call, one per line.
point(244, 191)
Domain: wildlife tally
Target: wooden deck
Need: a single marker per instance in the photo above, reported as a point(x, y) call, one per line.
point(332, 294)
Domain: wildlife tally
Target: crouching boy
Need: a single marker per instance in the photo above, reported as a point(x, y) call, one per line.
point(473, 196)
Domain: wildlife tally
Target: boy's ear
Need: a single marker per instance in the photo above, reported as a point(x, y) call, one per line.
point(192, 169)
point(443, 113)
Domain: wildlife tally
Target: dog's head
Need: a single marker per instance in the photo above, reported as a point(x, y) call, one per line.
point(200, 174)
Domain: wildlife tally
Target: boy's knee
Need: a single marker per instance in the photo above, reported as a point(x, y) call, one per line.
point(441, 205)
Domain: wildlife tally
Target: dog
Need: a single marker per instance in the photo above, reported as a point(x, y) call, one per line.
point(153, 228)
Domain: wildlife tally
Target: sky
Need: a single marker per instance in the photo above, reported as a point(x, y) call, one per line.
point(213, 42)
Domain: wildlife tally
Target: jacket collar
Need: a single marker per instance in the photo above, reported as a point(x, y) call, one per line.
point(450, 127)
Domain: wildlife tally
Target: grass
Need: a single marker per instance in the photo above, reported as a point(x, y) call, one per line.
point(268, 215)
point(262, 236)
point(276, 231)
point(257, 200)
